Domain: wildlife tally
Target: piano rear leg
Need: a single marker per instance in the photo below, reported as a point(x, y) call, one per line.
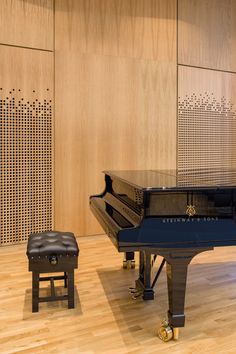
point(177, 262)
point(129, 261)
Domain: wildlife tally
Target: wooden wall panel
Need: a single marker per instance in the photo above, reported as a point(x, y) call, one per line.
point(27, 23)
point(26, 153)
point(27, 70)
point(206, 33)
point(206, 119)
point(126, 28)
point(114, 110)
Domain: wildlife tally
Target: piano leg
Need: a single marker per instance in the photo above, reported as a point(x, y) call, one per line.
point(141, 266)
point(148, 293)
point(143, 284)
point(129, 261)
point(176, 268)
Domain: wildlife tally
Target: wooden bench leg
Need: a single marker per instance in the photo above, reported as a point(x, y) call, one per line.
point(70, 278)
point(35, 292)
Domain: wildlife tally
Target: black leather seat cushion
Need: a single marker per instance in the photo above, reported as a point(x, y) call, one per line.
point(52, 242)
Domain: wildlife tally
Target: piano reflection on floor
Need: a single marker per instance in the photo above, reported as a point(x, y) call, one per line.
point(167, 213)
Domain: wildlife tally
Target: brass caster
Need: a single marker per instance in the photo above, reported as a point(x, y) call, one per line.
point(136, 292)
point(134, 297)
point(132, 290)
point(166, 332)
point(130, 264)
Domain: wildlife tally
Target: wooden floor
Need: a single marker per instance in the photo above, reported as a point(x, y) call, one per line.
point(106, 319)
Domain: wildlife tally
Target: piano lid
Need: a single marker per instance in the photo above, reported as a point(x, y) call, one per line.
point(177, 180)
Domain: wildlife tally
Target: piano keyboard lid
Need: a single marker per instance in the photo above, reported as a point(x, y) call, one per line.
point(176, 179)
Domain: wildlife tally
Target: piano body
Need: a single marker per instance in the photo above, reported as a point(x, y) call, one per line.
point(171, 214)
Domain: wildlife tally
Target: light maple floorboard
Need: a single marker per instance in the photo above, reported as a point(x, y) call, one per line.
point(106, 319)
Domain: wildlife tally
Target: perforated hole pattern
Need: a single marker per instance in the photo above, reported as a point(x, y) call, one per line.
point(25, 165)
point(206, 132)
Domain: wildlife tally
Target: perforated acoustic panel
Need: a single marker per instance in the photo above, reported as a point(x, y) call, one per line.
point(25, 165)
point(206, 132)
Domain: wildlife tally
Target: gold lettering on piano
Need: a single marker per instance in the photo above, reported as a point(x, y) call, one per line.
point(190, 211)
point(188, 220)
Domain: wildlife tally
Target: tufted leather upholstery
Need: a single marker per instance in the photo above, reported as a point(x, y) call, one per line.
point(52, 243)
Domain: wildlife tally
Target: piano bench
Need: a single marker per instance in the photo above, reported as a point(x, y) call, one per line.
point(52, 252)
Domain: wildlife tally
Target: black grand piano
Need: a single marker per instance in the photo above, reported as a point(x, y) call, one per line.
point(168, 213)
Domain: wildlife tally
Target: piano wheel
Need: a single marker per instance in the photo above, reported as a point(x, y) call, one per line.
point(166, 332)
point(130, 264)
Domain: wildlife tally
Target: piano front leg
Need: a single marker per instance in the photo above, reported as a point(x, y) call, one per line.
point(176, 269)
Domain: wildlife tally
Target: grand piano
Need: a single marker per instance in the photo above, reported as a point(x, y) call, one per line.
point(167, 213)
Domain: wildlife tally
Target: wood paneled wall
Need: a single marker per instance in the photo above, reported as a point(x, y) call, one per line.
point(207, 33)
point(207, 119)
point(27, 23)
point(27, 71)
point(116, 77)
point(143, 29)
point(206, 98)
point(116, 82)
point(115, 97)
point(26, 122)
